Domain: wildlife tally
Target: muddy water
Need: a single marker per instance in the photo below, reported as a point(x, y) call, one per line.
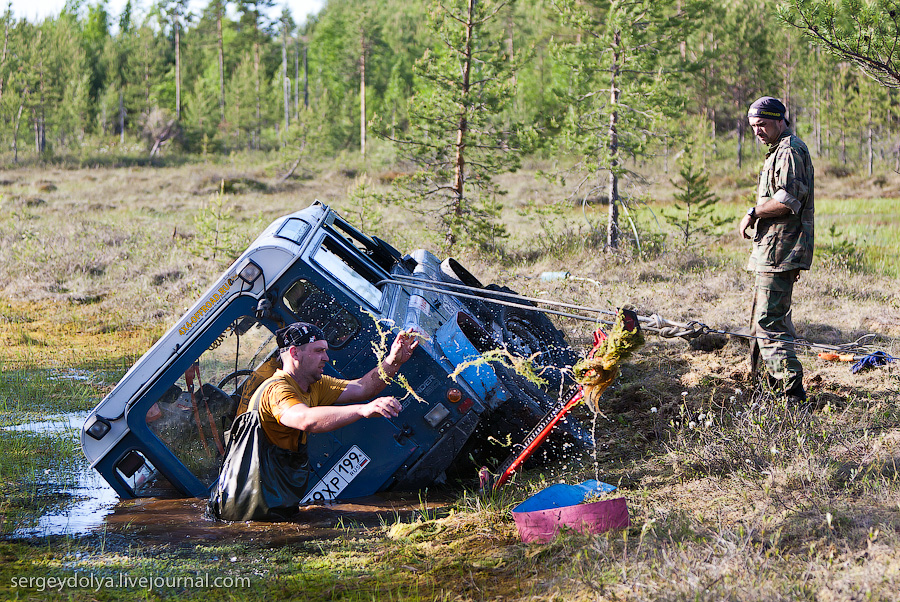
point(90, 505)
point(158, 521)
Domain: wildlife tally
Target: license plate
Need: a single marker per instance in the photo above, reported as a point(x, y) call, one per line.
point(337, 479)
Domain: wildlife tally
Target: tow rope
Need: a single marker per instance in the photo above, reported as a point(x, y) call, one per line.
point(595, 375)
point(653, 323)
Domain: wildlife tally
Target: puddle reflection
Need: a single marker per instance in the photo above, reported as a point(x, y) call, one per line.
point(84, 496)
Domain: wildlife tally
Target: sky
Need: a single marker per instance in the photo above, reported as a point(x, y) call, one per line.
point(35, 10)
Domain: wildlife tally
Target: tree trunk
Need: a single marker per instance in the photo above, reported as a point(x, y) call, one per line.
point(362, 94)
point(37, 132)
point(870, 144)
point(843, 146)
point(511, 50)
point(147, 81)
point(305, 78)
point(788, 80)
point(897, 159)
point(16, 128)
point(612, 227)
point(817, 125)
point(286, 83)
point(237, 129)
point(221, 44)
point(666, 154)
point(4, 54)
point(256, 129)
point(177, 70)
point(297, 84)
point(462, 128)
point(121, 117)
point(40, 139)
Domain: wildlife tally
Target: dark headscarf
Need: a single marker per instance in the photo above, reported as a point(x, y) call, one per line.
point(297, 334)
point(768, 107)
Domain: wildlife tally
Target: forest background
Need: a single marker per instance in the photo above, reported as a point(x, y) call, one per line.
point(87, 83)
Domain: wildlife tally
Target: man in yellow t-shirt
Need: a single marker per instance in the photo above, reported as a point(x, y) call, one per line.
point(264, 474)
point(300, 399)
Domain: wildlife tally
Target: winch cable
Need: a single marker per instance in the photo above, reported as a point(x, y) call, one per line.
point(654, 323)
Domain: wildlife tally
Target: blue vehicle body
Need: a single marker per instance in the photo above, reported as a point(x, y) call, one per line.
point(162, 427)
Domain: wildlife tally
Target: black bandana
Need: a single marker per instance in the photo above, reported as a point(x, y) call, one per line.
point(767, 108)
point(297, 334)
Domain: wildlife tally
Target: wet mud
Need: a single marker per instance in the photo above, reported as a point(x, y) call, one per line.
point(185, 521)
point(81, 504)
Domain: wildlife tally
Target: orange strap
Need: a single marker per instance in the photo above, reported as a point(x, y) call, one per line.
point(189, 375)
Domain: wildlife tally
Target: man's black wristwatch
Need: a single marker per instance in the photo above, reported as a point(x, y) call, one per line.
point(752, 212)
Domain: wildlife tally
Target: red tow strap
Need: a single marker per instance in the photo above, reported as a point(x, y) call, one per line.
point(189, 376)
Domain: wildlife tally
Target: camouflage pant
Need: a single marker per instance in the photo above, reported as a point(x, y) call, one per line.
point(772, 321)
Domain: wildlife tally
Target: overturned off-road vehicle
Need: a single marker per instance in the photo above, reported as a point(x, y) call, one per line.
point(162, 428)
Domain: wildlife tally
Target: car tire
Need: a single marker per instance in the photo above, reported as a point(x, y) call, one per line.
point(529, 333)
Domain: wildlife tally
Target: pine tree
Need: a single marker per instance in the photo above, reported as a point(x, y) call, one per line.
point(865, 33)
point(694, 205)
point(254, 29)
point(456, 139)
point(287, 27)
point(624, 81)
point(94, 35)
point(20, 79)
point(176, 13)
point(742, 48)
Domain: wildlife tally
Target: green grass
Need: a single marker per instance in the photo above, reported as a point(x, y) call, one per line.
point(34, 468)
point(871, 226)
point(28, 391)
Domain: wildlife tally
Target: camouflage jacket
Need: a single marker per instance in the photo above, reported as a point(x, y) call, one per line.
point(785, 243)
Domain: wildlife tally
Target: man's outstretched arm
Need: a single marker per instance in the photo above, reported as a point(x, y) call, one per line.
point(324, 419)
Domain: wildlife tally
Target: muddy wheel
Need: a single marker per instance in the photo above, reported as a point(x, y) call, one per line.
point(528, 333)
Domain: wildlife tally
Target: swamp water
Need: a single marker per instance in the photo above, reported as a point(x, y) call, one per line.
point(77, 501)
point(78, 497)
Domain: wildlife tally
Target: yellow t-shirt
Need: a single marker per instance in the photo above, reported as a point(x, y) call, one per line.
point(281, 392)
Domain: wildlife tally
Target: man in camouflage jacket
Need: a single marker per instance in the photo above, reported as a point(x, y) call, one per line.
point(781, 227)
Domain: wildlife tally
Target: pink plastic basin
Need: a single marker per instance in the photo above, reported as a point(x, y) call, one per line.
point(543, 515)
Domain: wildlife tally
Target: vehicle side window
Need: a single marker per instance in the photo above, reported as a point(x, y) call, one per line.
point(349, 271)
point(192, 416)
point(309, 304)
